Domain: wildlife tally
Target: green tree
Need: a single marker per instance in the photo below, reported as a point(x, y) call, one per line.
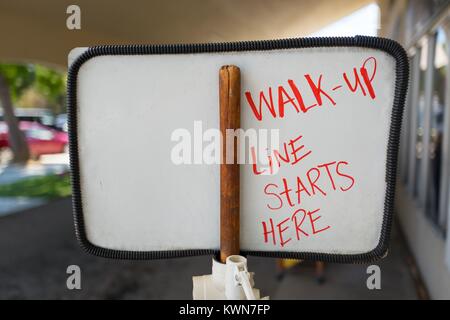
point(52, 84)
point(13, 80)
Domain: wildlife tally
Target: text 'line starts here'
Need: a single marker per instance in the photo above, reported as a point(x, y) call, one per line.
point(287, 218)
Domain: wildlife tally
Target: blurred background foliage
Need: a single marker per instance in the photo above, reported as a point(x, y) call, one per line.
point(34, 85)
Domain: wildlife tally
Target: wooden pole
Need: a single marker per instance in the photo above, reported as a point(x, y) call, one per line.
point(230, 118)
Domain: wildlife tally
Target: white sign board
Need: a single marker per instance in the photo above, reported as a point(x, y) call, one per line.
point(143, 123)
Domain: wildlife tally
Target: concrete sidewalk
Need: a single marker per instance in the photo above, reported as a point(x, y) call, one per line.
point(343, 281)
point(11, 205)
point(37, 245)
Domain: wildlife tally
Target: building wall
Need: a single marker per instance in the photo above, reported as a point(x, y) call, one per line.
point(414, 23)
point(426, 244)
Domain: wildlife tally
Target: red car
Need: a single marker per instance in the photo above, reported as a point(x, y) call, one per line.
point(41, 139)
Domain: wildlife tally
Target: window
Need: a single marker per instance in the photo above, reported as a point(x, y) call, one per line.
point(420, 105)
point(428, 128)
point(405, 143)
point(438, 111)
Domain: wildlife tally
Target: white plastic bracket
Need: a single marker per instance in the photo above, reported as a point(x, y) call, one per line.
point(228, 281)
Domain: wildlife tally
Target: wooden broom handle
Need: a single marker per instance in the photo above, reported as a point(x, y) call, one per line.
point(230, 118)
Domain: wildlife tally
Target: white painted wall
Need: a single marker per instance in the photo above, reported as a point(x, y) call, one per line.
point(427, 245)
